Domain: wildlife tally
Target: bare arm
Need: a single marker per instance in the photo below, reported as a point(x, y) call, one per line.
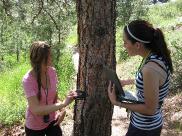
point(127, 82)
point(60, 114)
point(38, 109)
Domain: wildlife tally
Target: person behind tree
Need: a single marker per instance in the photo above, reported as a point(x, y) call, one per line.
point(152, 78)
point(44, 112)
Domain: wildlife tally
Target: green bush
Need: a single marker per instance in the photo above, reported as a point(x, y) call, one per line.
point(178, 4)
point(9, 61)
point(65, 70)
point(164, 15)
point(128, 10)
point(174, 38)
point(12, 100)
point(121, 53)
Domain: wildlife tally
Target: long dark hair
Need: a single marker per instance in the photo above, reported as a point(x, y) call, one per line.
point(39, 53)
point(153, 39)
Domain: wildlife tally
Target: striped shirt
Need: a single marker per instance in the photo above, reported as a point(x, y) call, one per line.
point(147, 122)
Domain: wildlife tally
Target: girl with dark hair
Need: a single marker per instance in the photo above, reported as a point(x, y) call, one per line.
point(44, 112)
point(152, 78)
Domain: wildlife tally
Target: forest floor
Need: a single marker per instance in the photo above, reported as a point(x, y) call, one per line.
point(172, 110)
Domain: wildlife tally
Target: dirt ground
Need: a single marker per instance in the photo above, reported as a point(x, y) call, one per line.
point(172, 110)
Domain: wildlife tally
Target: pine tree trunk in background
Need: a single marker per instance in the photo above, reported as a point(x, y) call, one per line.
point(17, 54)
point(96, 39)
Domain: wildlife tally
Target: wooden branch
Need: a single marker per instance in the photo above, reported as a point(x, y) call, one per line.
point(41, 5)
point(7, 6)
point(52, 18)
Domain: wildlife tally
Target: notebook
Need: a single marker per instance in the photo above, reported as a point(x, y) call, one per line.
point(121, 95)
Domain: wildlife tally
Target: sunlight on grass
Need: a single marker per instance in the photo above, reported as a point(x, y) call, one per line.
point(11, 93)
point(127, 70)
point(165, 15)
point(72, 38)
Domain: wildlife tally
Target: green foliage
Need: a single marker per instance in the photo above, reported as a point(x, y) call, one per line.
point(24, 21)
point(128, 10)
point(12, 100)
point(165, 15)
point(12, 108)
point(126, 69)
point(65, 70)
point(72, 37)
point(179, 5)
point(10, 61)
point(174, 39)
point(121, 53)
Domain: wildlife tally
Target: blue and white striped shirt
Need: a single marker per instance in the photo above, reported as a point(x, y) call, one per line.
point(147, 122)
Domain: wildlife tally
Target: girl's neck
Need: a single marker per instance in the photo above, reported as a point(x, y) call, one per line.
point(145, 54)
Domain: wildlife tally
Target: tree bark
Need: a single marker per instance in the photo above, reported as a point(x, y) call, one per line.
point(96, 39)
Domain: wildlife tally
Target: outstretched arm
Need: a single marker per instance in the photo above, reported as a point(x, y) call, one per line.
point(38, 109)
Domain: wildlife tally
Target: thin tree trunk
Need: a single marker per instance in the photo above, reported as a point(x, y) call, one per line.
point(17, 54)
point(96, 39)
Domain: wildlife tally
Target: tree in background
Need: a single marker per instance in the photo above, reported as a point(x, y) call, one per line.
point(128, 10)
point(23, 21)
point(96, 40)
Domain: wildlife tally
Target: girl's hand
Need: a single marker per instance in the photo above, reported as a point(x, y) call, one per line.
point(111, 93)
point(60, 117)
point(70, 97)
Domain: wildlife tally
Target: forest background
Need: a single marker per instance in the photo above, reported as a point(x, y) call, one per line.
point(25, 21)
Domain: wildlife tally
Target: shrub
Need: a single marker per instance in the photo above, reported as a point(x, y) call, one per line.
point(65, 71)
point(175, 41)
point(12, 100)
point(128, 10)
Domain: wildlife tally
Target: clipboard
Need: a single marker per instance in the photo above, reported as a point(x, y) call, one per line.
point(121, 95)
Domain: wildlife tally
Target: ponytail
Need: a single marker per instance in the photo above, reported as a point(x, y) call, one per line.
point(161, 47)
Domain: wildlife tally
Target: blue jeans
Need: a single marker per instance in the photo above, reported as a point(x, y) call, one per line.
point(133, 131)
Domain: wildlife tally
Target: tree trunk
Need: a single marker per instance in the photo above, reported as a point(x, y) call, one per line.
point(17, 54)
point(96, 39)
